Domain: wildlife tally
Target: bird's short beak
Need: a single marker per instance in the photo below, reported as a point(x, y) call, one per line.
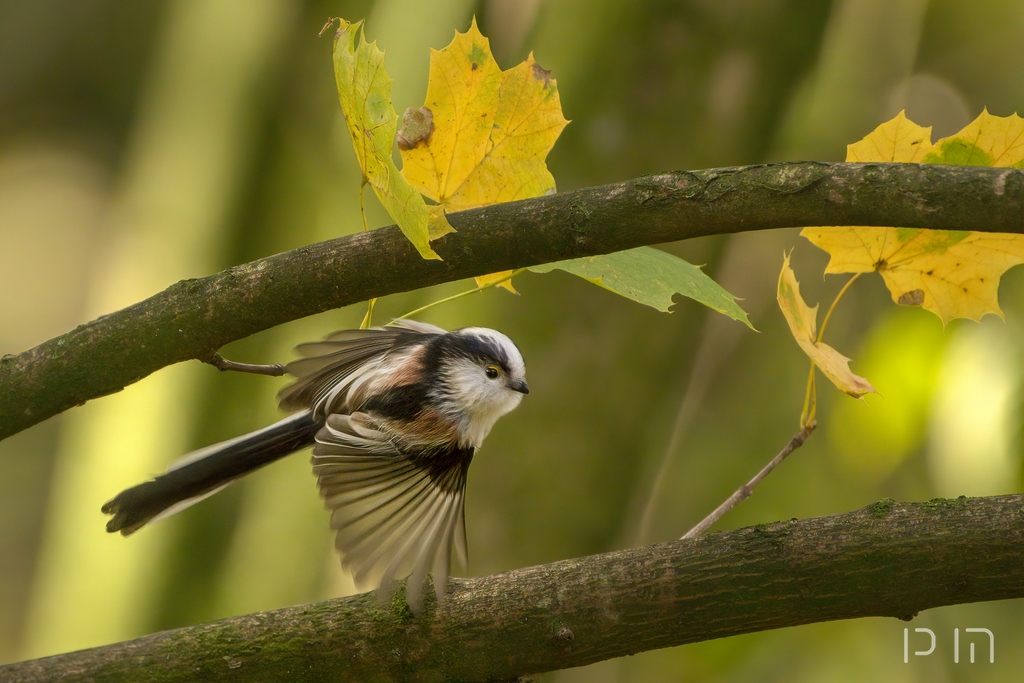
point(520, 386)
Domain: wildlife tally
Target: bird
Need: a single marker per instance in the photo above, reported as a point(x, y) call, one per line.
point(395, 415)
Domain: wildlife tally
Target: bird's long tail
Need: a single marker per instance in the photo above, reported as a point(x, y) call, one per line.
point(206, 471)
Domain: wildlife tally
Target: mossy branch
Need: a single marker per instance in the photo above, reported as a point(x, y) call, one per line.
point(888, 560)
point(194, 318)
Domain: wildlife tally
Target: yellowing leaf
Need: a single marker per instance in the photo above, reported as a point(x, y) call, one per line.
point(491, 130)
point(651, 277)
point(897, 140)
point(483, 134)
point(364, 89)
point(953, 274)
point(803, 324)
point(502, 279)
point(987, 141)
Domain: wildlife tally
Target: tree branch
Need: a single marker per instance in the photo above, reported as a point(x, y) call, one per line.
point(194, 318)
point(889, 559)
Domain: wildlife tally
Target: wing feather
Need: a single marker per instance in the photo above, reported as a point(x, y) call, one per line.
point(395, 513)
point(328, 369)
point(417, 552)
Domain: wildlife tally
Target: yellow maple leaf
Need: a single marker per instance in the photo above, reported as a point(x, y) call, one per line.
point(483, 134)
point(897, 140)
point(364, 89)
point(986, 141)
point(954, 274)
point(803, 324)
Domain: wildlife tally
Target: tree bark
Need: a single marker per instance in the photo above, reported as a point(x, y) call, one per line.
point(889, 559)
point(194, 318)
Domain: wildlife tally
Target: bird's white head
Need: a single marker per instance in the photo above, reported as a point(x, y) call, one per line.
point(483, 376)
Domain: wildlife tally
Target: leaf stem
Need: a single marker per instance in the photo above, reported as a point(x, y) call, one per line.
point(810, 400)
point(828, 316)
point(809, 413)
point(368, 318)
point(462, 294)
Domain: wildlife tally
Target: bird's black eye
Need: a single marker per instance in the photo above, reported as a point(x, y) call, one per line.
point(492, 372)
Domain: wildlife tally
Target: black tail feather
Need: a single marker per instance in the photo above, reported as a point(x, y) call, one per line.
point(205, 471)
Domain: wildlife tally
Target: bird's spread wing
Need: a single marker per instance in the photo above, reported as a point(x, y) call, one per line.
point(329, 367)
point(396, 514)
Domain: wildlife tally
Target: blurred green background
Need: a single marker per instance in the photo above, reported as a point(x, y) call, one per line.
point(146, 142)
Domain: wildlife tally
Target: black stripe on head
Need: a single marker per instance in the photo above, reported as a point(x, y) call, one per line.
point(481, 349)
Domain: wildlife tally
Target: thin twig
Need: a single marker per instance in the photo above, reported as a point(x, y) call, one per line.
point(743, 492)
point(223, 364)
point(807, 424)
point(718, 340)
point(330, 22)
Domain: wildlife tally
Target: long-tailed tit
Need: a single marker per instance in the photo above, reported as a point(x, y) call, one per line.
point(394, 416)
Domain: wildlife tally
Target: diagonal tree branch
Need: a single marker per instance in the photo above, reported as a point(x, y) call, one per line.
point(889, 559)
point(194, 318)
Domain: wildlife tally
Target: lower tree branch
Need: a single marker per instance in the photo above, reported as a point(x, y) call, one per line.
point(194, 318)
point(889, 559)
